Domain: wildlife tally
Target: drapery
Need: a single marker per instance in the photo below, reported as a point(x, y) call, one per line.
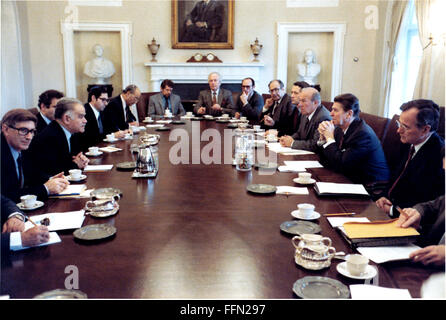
point(431, 75)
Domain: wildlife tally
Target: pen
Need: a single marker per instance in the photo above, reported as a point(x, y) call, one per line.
point(29, 219)
point(401, 212)
point(340, 214)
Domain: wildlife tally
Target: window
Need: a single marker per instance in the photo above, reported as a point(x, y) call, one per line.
point(407, 60)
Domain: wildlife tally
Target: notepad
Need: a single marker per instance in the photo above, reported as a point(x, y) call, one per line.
point(291, 190)
point(277, 148)
point(72, 189)
point(371, 292)
point(377, 229)
point(388, 253)
point(98, 168)
point(110, 149)
point(54, 238)
point(59, 220)
point(163, 121)
point(339, 221)
point(331, 188)
point(305, 164)
point(291, 169)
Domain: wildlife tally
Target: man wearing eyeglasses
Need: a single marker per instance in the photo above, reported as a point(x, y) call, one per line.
point(58, 147)
point(216, 100)
point(47, 105)
point(121, 111)
point(94, 129)
point(18, 177)
point(277, 113)
point(420, 174)
point(249, 103)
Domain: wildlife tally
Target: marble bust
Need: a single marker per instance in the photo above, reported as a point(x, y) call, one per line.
point(99, 67)
point(309, 69)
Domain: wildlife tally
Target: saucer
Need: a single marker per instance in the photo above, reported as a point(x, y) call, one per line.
point(298, 180)
point(128, 138)
point(93, 154)
point(297, 214)
point(114, 140)
point(369, 273)
point(82, 177)
point(148, 121)
point(37, 205)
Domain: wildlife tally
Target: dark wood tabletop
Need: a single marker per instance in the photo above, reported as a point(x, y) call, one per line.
point(193, 232)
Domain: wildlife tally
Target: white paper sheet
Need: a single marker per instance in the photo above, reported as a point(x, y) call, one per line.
point(370, 292)
point(277, 148)
point(154, 125)
point(305, 164)
point(163, 121)
point(71, 189)
point(54, 238)
point(110, 149)
point(59, 220)
point(291, 169)
point(341, 188)
point(339, 221)
point(291, 190)
point(388, 253)
point(99, 167)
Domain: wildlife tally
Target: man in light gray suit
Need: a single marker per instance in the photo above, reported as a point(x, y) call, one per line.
point(313, 113)
point(159, 103)
point(216, 100)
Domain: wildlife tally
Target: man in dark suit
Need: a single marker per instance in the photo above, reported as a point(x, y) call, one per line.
point(420, 175)
point(19, 173)
point(249, 103)
point(58, 147)
point(204, 22)
point(351, 148)
point(118, 114)
point(278, 111)
point(94, 129)
point(166, 100)
point(13, 228)
point(312, 114)
point(216, 100)
point(47, 104)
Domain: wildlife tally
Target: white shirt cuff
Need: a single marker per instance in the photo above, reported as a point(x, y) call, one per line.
point(329, 141)
point(22, 217)
point(15, 240)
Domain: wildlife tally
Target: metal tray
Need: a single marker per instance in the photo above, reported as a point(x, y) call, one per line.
point(62, 294)
point(261, 188)
point(320, 288)
point(105, 193)
point(298, 227)
point(94, 232)
point(129, 165)
point(103, 213)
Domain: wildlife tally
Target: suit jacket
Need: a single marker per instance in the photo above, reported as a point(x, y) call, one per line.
point(283, 116)
point(212, 14)
point(157, 105)
point(33, 181)
point(224, 99)
point(307, 134)
point(252, 109)
point(91, 136)
point(41, 124)
point(8, 207)
point(423, 180)
point(361, 157)
point(432, 221)
point(49, 150)
point(114, 118)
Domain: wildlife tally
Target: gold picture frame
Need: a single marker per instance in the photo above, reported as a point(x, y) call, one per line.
point(215, 31)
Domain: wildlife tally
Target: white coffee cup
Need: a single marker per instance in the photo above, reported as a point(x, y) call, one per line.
point(225, 115)
point(128, 136)
point(306, 209)
point(93, 150)
point(243, 118)
point(304, 176)
point(256, 127)
point(148, 118)
point(111, 137)
point(189, 113)
point(207, 116)
point(29, 200)
point(75, 173)
point(356, 264)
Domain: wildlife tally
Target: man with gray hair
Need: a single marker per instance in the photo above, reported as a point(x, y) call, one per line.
point(313, 113)
point(214, 101)
point(120, 113)
point(57, 148)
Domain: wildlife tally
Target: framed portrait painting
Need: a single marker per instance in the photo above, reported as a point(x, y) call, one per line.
point(202, 24)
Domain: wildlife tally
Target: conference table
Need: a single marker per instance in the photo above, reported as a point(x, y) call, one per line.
point(193, 232)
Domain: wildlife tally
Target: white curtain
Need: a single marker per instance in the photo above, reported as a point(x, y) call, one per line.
point(398, 8)
point(431, 75)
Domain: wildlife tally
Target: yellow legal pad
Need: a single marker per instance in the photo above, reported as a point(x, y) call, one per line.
point(377, 229)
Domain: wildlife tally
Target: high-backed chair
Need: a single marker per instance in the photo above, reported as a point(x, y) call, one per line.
point(392, 144)
point(143, 105)
point(379, 124)
point(441, 124)
point(34, 110)
point(327, 104)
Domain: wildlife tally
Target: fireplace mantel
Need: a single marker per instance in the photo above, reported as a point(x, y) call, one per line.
point(195, 72)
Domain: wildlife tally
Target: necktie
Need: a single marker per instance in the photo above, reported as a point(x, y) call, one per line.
point(168, 105)
point(341, 141)
point(411, 152)
point(129, 115)
point(214, 98)
point(274, 107)
point(20, 169)
point(101, 128)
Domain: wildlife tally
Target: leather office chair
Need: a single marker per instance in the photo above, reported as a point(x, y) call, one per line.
point(392, 144)
point(35, 111)
point(379, 124)
point(441, 124)
point(143, 105)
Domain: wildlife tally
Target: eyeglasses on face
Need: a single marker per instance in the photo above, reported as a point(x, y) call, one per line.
point(274, 90)
point(24, 131)
point(104, 99)
point(401, 125)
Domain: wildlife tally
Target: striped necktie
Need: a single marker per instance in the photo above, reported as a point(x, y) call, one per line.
point(20, 169)
point(411, 152)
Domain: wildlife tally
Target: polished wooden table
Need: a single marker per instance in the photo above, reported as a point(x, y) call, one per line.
point(193, 232)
